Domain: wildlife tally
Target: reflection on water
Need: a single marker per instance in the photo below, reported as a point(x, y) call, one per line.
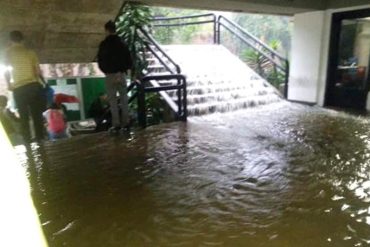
point(283, 175)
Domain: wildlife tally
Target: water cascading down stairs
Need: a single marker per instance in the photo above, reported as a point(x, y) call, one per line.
point(217, 80)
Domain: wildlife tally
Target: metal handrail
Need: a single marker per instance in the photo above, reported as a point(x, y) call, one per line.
point(181, 17)
point(182, 24)
point(169, 19)
point(266, 51)
point(157, 46)
point(152, 46)
point(277, 60)
point(260, 51)
point(182, 97)
point(159, 58)
point(180, 107)
point(251, 36)
point(181, 85)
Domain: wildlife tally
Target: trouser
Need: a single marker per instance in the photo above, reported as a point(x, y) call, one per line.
point(117, 83)
point(54, 136)
point(29, 99)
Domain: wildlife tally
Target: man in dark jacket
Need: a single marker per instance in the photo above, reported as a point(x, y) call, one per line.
point(114, 60)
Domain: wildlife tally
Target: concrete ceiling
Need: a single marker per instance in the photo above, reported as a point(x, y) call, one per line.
point(281, 7)
point(63, 31)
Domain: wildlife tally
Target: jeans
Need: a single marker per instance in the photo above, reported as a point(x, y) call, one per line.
point(117, 83)
point(29, 99)
point(54, 136)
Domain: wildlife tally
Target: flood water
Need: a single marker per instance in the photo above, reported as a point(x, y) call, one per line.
point(279, 175)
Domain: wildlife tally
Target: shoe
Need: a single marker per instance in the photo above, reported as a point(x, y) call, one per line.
point(114, 130)
point(126, 128)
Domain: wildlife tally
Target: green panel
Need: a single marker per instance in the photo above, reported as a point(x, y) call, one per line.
point(91, 88)
point(73, 115)
point(52, 82)
point(71, 81)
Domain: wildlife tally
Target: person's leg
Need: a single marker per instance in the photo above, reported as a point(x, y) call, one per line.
point(122, 88)
point(20, 98)
point(112, 97)
point(51, 135)
point(63, 134)
point(56, 136)
point(37, 106)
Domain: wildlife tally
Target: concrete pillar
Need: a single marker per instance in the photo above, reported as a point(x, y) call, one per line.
point(306, 56)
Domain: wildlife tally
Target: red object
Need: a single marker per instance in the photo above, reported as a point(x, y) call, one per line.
point(60, 98)
point(56, 122)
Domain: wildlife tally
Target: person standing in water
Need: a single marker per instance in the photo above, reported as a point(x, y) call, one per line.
point(26, 86)
point(114, 61)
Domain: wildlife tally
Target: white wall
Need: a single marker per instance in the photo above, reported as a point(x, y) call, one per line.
point(306, 56)
point(310, 53)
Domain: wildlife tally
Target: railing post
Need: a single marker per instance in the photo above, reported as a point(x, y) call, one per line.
point(185, 107)
point(275, 73)
point(219, 30)
point(287, 72)
point(179, 101)
point(215, 30)
point(141, 108)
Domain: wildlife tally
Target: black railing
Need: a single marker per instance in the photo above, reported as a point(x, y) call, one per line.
point(140, 88)
point(180, 107)
point(271, 59)
point(177, 21)
point(154, 48)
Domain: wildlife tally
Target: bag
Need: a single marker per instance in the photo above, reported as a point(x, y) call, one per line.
point(56, 123)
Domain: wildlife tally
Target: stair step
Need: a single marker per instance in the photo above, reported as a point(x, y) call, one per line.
point(214, 97)
point(159, 73)
point(231, 105)
point(217, 81)
point(199, 90)
point(221, 83)
point(155, 66)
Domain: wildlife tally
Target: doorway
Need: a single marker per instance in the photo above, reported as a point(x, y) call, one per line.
point(348, 81)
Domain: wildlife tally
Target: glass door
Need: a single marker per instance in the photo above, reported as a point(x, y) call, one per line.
point(348, 77)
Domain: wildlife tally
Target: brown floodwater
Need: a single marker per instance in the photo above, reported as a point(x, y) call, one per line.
point(279, 175)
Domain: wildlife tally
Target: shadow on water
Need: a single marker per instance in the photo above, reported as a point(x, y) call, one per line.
point(280, 175)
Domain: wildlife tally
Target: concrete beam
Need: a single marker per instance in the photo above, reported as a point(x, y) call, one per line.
point(282, 7)
point(336, 4)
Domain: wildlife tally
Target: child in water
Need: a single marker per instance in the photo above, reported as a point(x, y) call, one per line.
point(56, 124)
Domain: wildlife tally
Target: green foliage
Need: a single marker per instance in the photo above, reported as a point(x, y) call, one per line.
point(268, 28)
point(181, 34)
point(133, 17)
point(155, 108)
point(263, 66)
point(255, 60)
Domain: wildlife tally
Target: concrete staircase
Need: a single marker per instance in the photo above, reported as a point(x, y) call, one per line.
point(217, 80)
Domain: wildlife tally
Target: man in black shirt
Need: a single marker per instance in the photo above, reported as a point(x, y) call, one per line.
point(114, 60)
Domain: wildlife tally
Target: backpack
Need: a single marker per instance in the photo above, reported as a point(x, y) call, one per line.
point(56, 121)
